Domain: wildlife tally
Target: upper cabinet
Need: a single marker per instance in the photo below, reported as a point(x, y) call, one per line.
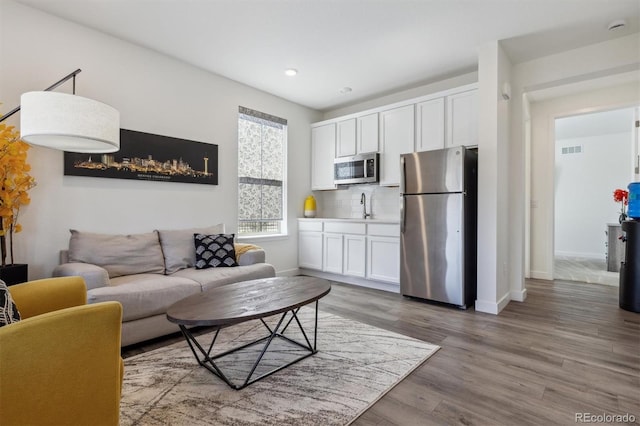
point(368, 133)
point(323, 151)
point(462, 119)
point(357, 135)
point(435, 121)
point(430, 125)
point(397, 134)
point(346, 143)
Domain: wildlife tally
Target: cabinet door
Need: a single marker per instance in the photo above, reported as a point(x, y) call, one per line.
point(323, 152)
point(397, 134)
point(354, 255)
point(310, 250)
point(332, 259)
point(368, 133)
point(462, 119)
point(430, 125)
point(383, 259)
point(346, 143)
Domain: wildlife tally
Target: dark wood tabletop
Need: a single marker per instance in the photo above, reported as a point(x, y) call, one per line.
point(247, 300)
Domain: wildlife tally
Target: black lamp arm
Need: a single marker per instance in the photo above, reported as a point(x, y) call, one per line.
point(53, 86)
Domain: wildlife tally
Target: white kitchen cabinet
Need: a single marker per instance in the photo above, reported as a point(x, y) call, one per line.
point(332, 255)
point(323, 152)
point(367, 133)
point(462, 119)
point(397, 135)
point(383, 259)
point(354, 255)
point(310, 250)
point(430, 125)
point(346, 142)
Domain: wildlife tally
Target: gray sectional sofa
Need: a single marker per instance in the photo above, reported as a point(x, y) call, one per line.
point(149, 272)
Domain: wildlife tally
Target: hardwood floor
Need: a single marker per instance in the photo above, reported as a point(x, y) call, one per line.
point(567, 349)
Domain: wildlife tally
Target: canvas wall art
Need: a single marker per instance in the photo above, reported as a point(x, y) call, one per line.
point(145, 156)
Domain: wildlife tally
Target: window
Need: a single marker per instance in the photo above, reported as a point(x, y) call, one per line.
point(262, 141)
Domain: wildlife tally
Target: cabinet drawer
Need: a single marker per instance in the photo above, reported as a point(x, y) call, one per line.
point(384, 229)
point(313, 225)
point(345, 227)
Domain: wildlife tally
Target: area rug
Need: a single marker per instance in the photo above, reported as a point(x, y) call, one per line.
point(356, 365)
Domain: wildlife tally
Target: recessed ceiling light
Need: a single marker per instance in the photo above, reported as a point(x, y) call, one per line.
point(346, 90)
point(291, 72)
point(616, 25)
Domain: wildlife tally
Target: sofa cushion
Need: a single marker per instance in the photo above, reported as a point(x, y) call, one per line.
point(215, 277)
point(214, 251)
point(178, 249)
point(144, 295)
point(8, 310)
point(118, 254)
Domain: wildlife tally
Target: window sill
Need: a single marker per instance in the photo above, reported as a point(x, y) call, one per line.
point(271, 237)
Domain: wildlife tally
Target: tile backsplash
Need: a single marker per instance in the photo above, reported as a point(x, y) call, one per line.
point(382, 202)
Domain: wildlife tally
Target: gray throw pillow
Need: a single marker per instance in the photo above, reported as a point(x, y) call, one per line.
point(118, 254)
point(178, 249)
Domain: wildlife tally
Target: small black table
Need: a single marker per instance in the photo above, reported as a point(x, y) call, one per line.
point(245, 301)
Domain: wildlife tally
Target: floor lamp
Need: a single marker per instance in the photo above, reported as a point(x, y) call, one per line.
point(67, 122)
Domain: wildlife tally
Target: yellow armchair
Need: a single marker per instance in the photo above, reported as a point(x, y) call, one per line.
point(61, 364)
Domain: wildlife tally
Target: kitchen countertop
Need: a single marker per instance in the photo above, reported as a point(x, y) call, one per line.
point(351, 219)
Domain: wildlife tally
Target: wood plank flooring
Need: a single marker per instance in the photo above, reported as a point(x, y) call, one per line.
point(567, 349)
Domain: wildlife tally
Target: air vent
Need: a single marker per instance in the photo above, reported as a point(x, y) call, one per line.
point(572, 150)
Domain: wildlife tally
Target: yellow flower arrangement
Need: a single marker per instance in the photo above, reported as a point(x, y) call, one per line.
point(15, 183)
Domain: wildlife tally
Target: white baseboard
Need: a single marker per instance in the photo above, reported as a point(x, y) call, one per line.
point(541, 275)
point(378, 285)
point(494, 308)
point(518, 295)
point(595, 256)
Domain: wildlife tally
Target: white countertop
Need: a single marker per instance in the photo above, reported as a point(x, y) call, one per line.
point(351, 219)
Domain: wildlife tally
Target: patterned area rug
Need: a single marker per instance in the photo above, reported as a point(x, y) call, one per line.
point(356, 365)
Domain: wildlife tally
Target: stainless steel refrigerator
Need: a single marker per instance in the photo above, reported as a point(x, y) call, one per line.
point(438, 240)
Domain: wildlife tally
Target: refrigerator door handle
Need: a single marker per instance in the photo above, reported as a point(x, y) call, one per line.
point(402, 175)
point(402, 214)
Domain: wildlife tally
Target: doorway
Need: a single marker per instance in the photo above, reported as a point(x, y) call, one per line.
point(593, 157)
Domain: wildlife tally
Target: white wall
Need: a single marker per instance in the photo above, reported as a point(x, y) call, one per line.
point(154, 94)
point(578, 65)
point(584, 184)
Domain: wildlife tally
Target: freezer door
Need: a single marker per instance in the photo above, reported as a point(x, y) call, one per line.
point(430, 172)
point(431, 248)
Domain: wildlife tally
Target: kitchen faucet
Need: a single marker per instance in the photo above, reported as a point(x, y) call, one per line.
point(363, 201)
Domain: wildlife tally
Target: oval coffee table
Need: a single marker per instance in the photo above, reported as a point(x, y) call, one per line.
point(235, 303)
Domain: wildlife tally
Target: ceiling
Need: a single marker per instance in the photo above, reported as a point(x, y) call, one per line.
point(595, 124)
point(375, 47)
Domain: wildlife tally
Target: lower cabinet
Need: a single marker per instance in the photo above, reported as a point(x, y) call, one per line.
point(383, 259)
point(310, 250)
point(332, 255)
point(363, 250)
point(355, 247)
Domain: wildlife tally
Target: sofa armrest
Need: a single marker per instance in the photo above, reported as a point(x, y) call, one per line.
point(94, 275)
point(251, 257)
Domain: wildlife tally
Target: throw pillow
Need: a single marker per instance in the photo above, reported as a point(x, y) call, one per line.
point(8, 309)
point(118, 254)
point(214, 251)
point(177, 246)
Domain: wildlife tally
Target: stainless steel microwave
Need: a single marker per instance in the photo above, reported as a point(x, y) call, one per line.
point(363, 168)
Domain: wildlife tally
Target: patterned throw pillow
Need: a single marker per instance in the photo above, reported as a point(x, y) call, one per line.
point(8, 310)
point(214, 251)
